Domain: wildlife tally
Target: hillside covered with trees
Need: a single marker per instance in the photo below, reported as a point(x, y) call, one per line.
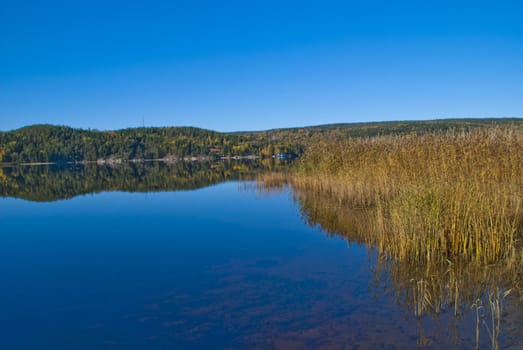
point(48, 143)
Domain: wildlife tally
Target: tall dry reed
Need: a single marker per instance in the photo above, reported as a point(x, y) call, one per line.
point(454, 196)
point(444, 211)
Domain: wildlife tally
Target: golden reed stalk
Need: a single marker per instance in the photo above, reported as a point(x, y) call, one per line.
point(455, 196)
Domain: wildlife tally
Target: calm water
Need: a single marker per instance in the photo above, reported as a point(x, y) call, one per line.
point(222, 266)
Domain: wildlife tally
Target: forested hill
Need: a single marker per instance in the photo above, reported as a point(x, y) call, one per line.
point(312, 134)
point(48, 143)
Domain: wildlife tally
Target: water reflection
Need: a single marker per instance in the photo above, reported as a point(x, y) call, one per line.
point(454, 293)
point(254, 283)
point(55, 182)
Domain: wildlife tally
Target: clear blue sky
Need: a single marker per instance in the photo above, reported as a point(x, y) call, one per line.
point(246, 65)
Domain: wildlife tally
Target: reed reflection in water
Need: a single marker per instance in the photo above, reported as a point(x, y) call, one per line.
point(270, 285)
point(435, 289)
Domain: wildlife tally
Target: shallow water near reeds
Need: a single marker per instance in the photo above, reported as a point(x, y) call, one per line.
point(191, 256)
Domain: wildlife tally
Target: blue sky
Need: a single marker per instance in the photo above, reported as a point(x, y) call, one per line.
point(250, 65)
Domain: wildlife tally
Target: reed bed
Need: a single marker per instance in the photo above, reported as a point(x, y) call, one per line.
point(443, 210)
point(454, 196)
point(421, 287)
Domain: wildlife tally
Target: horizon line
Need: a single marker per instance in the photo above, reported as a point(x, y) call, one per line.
point(266, 130)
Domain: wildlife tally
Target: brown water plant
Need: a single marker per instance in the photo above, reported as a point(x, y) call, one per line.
point(454, 196)
point(444, 211)
point(431, 285)
point(424, 286)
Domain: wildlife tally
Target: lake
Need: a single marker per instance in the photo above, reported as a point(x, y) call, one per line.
point(201, 256)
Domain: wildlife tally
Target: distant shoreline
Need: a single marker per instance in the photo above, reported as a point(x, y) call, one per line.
point(41, 144)
point(120, 161)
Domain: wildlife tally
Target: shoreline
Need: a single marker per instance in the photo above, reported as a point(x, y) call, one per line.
point(120, 161)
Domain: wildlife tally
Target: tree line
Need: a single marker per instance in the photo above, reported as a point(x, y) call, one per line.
point(48, 143)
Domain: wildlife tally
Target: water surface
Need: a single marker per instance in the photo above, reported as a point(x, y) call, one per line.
point(218, 266)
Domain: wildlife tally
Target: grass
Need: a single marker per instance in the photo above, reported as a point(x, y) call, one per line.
point(454, 196)
point(441, 206)
point(443, 210)
point(421, 285)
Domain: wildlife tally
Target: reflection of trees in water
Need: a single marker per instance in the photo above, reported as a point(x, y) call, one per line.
point(432, 288)
point(426, 288)
point(54, 182)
